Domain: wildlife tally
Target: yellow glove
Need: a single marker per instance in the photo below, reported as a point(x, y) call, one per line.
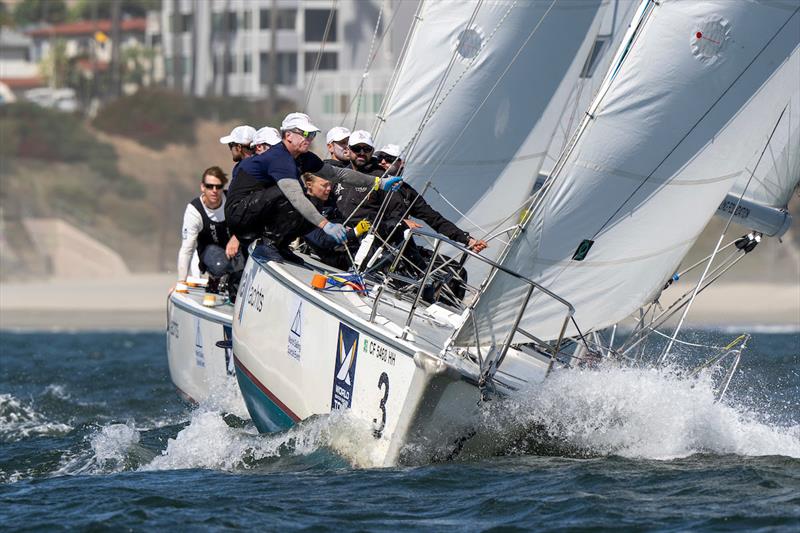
point(362, 227)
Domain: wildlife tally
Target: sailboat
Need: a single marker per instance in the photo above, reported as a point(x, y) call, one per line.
point(644, 170)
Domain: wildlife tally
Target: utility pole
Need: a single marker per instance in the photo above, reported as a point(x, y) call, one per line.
point(177, 60)
point(193, 29)
point(227, 22)
point(273, 56)
point(116, 37)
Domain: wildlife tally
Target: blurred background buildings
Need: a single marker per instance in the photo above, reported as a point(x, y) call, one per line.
point(111, 109)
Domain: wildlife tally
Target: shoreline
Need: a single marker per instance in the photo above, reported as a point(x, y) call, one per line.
point(138, 303)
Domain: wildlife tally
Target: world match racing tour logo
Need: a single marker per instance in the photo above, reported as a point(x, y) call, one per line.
point(344, 373)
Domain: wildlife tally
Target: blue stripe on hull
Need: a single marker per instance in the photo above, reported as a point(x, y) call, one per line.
point(266, 414)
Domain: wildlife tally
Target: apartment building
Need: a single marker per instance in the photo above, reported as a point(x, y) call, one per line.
point(200, 34)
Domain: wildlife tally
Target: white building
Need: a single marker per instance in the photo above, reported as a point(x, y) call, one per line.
point(205, 26)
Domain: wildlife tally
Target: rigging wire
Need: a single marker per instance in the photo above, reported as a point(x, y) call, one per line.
point(665, 354)
point(367, 65)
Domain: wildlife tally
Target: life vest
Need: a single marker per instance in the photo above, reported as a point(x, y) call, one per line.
point(212, 232)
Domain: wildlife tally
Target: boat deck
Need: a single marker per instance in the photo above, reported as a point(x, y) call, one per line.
point(429, 330)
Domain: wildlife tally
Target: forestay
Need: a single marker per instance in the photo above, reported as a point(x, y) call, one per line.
point(633, 194)
point(478, 76)
point(764, 198)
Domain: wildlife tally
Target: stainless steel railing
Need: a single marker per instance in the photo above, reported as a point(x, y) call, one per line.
point(493, 363)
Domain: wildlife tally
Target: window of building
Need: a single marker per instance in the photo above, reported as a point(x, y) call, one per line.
point(182, 23)
point(247, 65)
point(221, 22)
point(344, 103)
point(286, 70)
point(286, 19)
point(316, 21)
point(377, 102)
point(328, 104)
point(328, 61)
point(594, 56)
point(244, 20)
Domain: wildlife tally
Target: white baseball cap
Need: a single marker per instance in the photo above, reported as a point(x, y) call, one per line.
point(239, 135)
point(337, 134)
point(361, 137)
point(299, 121)
point(391, 149)
point(267, 135)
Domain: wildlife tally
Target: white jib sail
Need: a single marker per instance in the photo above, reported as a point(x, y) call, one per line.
point(764, 198)
point(633, 185)
point(498, 65)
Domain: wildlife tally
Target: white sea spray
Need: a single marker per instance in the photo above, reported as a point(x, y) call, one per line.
point(641, 413)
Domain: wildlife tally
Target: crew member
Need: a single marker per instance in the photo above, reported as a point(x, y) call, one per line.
point(338, 148)
point(239, 140)
point(329, 251)
point(388, 159)
point(204, 230)
point(267, 197)
point(264, 139)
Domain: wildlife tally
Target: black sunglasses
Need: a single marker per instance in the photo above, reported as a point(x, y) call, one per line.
point(361, 149)
point(389, 158)
point(217, 186)
point(232, 144)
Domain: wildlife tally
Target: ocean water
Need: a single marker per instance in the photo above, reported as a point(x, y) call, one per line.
point(93, 435)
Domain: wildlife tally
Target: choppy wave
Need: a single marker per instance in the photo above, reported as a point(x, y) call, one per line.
point(636, 413)
point(19, 420)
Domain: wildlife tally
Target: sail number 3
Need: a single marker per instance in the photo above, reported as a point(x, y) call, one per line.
point(383, 383)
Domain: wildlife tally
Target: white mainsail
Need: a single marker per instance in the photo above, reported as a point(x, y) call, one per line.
point(480, 75)
point(633, 188)
point(765, 197)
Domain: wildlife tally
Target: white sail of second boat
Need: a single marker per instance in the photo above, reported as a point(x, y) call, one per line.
point(759, 198)
point(631, 196)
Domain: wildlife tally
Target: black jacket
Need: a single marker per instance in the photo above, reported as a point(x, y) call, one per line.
point(399, 203)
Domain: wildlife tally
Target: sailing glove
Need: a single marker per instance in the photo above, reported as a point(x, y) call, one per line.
point(362, 227)
point(336, 232)
point(389, 183)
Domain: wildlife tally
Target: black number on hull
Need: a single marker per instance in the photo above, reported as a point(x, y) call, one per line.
point(383, 382)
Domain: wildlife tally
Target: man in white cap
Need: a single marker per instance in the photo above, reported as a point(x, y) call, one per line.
point(362, 146)
point(239, 140)
point(267, 198)
point(388, 159)
point(264, 139)
point(338, 148)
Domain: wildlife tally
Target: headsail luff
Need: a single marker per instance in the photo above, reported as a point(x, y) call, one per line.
point(765, 197)
point(509, 59)
point(633, 186)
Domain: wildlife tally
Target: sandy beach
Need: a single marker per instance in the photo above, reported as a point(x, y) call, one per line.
point(135, 302)
point(138, 302)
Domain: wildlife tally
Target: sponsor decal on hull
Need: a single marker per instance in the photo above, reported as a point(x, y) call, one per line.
point(293, 345)
point(344, 374)
point(199, 357)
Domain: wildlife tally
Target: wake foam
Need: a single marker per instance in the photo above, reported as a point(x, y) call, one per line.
point(636, 413)
point(210, 441)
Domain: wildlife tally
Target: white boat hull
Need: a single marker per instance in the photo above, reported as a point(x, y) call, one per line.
point(197, 366)
point(300, 354)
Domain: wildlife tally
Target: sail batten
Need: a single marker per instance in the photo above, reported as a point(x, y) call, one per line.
point(662, 114)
